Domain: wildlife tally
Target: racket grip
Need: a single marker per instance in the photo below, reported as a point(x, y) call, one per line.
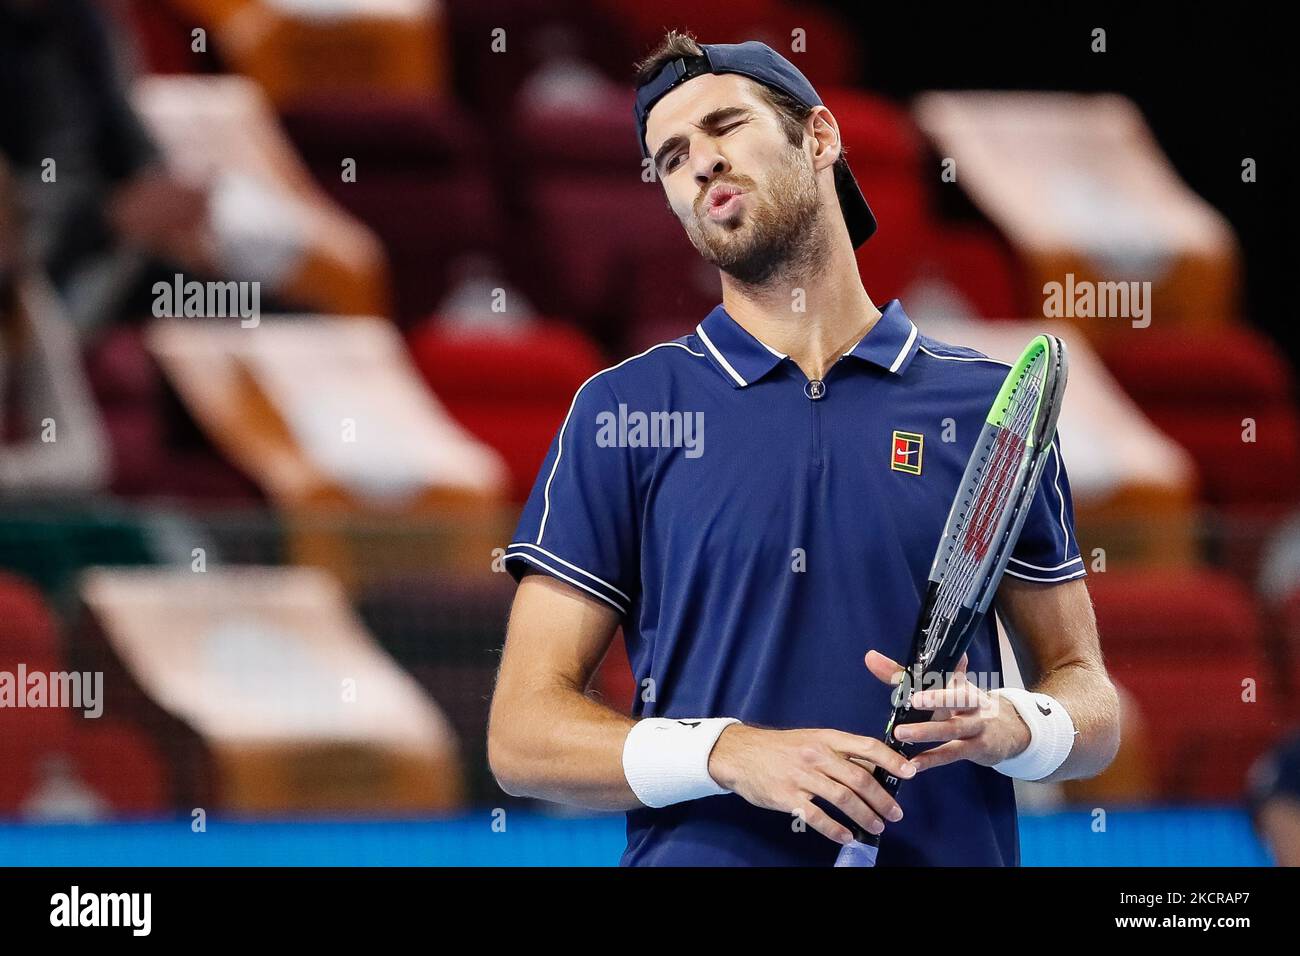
point(890, 784)
point(887, 780)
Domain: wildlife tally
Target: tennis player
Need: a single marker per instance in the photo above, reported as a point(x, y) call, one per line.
point(757, 505)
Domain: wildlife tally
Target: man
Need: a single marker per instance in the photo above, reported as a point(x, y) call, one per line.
point(751, 562)
point(104, 215)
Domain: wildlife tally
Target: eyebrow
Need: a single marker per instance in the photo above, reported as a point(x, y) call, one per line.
point(709, 121)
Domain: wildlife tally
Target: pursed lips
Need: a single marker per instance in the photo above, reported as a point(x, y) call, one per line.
point(720, 195)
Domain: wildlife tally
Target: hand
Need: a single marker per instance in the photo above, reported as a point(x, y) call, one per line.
point(784, 769)
point(967, 723)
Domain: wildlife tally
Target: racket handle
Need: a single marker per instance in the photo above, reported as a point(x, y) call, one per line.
point(882, 776)
point(891, 784)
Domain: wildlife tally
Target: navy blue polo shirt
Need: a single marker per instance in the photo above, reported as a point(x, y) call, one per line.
point(759, 533)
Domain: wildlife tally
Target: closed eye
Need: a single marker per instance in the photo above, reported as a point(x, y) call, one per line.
point(673, 161)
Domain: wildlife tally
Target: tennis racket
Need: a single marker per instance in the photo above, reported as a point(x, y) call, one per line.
point(983, 526)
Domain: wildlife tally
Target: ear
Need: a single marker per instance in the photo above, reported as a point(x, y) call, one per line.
point(825, 132)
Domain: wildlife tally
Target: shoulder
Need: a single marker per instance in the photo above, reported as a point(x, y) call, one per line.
point(646, 371)
point(936, 350)
point(956, 366)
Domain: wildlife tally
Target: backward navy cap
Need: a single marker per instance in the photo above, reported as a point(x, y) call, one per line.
point(760, 63)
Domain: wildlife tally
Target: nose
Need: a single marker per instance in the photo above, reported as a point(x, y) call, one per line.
point(708, 165)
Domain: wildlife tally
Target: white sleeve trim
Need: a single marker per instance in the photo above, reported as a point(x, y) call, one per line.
point(1055, 567)
point(1060, 496)
point(534, 560)
point(571, 566)
point(1031, 577)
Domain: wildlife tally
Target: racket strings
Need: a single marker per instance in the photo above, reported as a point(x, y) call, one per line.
point(974, 535)
point(975, 531)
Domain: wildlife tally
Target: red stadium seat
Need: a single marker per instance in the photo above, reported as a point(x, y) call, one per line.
point(1188, 645)
point(1231, 362)
point(31, 736)
point(28, 631)
point(121, 765)
point(1174, 614)
point(885, 150)
point(1200, 388)
point(108, 756)
point(1264, 473)
point(510, 391)
point(975, 260)
point(1202, 736)
point(423, 183)
point(28, 638)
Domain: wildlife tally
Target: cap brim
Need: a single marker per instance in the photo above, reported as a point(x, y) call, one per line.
point(859, 218)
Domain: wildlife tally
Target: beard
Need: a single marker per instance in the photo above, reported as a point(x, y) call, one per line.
point(782, 234)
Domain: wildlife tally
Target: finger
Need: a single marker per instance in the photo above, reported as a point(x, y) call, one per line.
point(821, 821)
point(939, 731)
point(945, 754)
point(967, 696)
point(870, 749)
point(959, 675)
point(867, 787)
point(866, 765)
point(846, 799)
point(883, 668)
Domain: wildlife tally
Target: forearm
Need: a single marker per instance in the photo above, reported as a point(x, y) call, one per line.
point(1090, 699)
point(553, 742)
point(1055, 624)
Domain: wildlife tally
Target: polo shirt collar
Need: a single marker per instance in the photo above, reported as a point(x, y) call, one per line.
point(743, 359)
point(892, 342)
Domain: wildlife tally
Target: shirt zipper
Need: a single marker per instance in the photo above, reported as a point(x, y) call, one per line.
point(809, 390)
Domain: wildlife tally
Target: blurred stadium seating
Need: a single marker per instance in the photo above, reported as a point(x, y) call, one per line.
point(234, 532)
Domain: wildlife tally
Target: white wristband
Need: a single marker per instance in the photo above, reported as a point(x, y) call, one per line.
point(666, 760)
point(1051, 734)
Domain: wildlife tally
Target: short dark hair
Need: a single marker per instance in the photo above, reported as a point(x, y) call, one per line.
point(790, 113)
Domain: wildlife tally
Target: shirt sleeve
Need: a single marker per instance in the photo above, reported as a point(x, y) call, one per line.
point(581, 522)
point(1048, 549)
